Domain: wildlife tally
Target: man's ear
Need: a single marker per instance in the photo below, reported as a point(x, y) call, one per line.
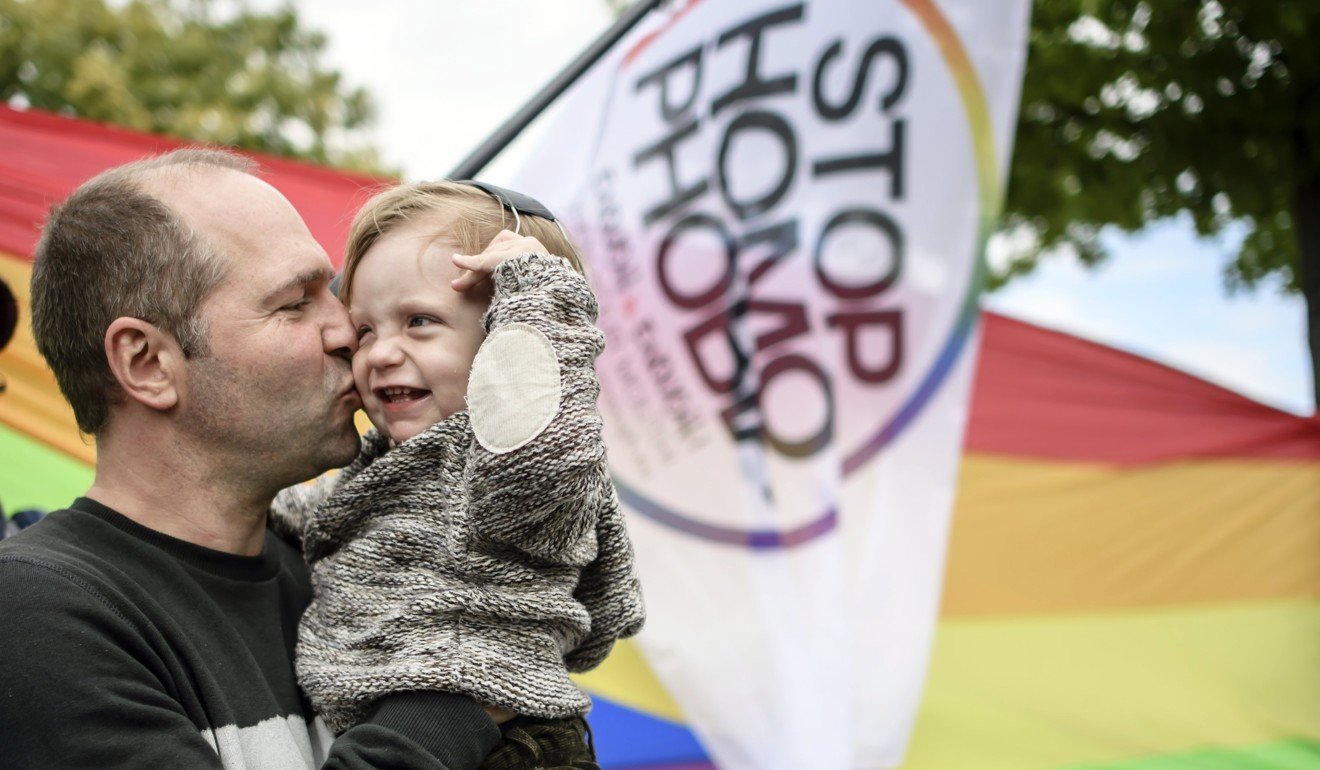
point(146, 361)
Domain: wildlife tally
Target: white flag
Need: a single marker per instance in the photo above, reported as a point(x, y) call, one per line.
point(783, 206)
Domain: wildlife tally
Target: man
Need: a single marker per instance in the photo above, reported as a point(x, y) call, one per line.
point(185, 310)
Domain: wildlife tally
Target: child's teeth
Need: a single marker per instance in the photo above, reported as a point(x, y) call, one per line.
point(398, 393)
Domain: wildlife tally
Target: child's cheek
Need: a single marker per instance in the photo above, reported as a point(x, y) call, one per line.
point(360, 382)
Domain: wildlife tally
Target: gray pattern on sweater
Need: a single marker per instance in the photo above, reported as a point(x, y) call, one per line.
point(439, 565)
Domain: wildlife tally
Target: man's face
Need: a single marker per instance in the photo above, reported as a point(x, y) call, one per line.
point(273, 398)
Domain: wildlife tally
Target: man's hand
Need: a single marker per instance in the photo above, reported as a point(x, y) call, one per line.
point(498, 714)
point(477, 268)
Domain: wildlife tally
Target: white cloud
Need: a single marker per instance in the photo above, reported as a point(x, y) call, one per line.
point(445, 75)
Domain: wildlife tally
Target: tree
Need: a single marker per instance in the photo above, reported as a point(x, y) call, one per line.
point(1136, 111)
point(244, 79)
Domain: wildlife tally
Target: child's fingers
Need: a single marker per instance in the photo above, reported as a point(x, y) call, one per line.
point(481, 264)
point(468, 279)
point(476, 268)
point(467, 261)
point(528, 244)
point(464, 281)
point(507, 243)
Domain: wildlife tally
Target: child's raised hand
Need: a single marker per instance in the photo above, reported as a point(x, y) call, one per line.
point(476, 268)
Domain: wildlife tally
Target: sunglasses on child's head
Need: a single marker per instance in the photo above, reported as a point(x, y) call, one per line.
point(512, 201)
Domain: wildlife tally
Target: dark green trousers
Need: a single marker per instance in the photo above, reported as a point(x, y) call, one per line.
point(545, 744)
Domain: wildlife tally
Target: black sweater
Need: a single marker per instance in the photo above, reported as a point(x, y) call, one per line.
point(124, 647)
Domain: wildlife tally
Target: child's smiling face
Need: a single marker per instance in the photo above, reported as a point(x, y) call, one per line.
point(417, 336)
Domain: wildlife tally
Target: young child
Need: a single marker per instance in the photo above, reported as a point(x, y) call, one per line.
point(476, 545)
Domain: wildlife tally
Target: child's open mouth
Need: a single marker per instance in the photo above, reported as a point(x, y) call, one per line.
point(400, 395)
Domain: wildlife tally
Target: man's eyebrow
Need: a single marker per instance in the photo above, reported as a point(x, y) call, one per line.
point(302, 279)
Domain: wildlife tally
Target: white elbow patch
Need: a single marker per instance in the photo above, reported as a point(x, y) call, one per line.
point(514, 388)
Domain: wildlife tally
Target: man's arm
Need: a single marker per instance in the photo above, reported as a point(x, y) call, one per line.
point(436, 730)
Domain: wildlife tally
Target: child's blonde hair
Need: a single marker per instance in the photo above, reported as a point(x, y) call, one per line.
point(470, 216)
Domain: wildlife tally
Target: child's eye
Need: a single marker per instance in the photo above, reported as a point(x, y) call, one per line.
point(419, 320)
point(363, 331)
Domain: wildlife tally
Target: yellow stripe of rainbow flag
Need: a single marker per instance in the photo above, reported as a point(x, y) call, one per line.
point(32, 403)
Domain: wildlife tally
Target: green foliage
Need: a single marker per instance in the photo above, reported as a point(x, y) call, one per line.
point(247, 79)
point(1136, 111)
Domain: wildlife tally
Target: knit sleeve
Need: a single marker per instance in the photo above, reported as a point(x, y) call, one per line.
point(535, 475)
point(324, 529)
point(292, 508)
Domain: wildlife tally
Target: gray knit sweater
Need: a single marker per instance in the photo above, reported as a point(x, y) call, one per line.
point(488, 554)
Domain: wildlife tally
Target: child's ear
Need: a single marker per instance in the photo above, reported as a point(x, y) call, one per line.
point(145, 361)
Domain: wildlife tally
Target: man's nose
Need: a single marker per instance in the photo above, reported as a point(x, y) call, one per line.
point(338, 333)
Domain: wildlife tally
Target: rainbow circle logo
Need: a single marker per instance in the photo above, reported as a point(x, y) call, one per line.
point(975, 110)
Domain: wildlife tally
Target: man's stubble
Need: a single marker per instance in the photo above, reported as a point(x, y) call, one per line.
point(261, 438)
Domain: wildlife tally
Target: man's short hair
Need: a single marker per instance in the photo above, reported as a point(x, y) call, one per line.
point(113, 250)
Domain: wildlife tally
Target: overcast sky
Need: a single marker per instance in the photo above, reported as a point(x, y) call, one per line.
point(444, 74)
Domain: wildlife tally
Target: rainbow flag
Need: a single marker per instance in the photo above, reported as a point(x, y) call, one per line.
point(1133, 580)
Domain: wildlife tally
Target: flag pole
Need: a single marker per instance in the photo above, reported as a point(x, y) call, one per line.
point(506, 133)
